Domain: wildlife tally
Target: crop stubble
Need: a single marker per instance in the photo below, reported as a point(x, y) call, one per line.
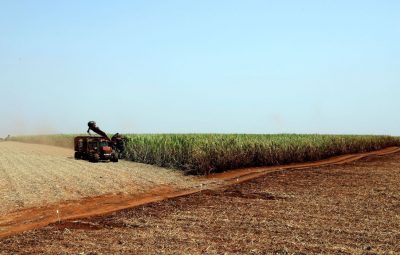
point(35, 175)
point(343, 209)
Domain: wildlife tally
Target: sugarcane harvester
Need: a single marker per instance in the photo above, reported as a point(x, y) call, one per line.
point(99, 148)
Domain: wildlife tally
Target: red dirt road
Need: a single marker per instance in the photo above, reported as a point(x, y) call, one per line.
point(34, 218)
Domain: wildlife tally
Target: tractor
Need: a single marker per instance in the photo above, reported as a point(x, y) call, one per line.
point(94, 149)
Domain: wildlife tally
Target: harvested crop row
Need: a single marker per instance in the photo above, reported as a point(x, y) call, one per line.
point(39, 175)
point(208, 153)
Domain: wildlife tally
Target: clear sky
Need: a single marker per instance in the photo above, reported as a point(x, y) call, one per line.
point(323, 66)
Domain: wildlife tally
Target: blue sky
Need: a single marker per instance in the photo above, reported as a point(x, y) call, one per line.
point(200, 66)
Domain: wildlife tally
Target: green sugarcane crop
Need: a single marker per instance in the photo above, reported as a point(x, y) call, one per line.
point(208, 153)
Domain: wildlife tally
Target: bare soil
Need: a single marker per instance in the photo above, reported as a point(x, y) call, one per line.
point(352, 208)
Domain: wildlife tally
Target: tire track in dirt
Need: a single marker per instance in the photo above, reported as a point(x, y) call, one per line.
point(37, 217)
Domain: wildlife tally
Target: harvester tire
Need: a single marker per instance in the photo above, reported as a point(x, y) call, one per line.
point(94, 158)
point(77, 155)
point(114, 158)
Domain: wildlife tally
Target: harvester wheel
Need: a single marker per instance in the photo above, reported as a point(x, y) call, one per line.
point(96, 158)
point(77, 155)
point(114, 157)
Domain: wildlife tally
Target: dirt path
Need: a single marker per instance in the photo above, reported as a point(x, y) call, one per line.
point(350, 208)
point(39, 176)
point(134, 185)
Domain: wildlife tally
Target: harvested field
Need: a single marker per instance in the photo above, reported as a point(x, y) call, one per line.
point(351, 208)
point(36, 175)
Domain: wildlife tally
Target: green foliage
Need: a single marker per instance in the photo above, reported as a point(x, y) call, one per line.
point(208, 153)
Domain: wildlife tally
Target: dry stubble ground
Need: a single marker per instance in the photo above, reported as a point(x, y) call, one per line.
point(35, 175)
point(348, 209)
